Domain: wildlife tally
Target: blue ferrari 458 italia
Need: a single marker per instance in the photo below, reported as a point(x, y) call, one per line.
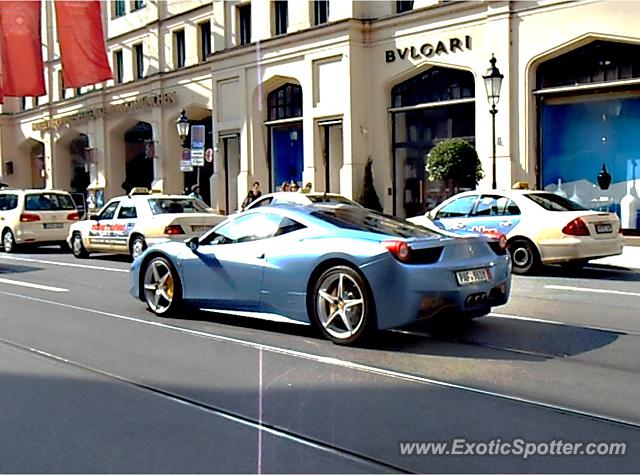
point(344, 269)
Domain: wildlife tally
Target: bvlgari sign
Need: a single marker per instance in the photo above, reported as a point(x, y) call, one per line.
point(139, 103)
point(428, 50)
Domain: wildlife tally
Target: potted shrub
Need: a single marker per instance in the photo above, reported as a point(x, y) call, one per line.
point(454, 162)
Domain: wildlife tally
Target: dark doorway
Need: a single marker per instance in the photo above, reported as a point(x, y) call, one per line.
point(138, 166)
point(201, 175)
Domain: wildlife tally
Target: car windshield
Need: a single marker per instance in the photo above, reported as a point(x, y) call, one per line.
point(360, 219)
point(48, 202)
point(177, 205)
point(336, 199)
point(553, 202)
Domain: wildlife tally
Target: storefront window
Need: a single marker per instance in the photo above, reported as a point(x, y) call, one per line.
point(578, 138)
point(428, 108)
point(583, 132)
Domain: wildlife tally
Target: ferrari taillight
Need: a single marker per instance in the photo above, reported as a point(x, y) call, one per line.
point(399, 249)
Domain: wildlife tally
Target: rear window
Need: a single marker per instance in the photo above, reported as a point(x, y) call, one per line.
point(177, 205)
point(553, 202)
point(361, 219)
point(331, 199)
point(48, 202)
point(8, 202)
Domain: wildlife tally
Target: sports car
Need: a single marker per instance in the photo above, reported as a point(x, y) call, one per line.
point(344, 269)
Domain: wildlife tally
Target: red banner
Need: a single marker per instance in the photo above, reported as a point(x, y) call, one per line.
point(21, 47)
point(82, 45)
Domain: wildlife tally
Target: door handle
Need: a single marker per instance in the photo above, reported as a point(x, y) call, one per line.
point(260, 256)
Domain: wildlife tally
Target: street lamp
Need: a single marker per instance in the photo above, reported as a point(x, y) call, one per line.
point(492, 83)
point(182, 124)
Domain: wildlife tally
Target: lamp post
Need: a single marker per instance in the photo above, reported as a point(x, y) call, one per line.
point(492, 83)
point(182, 124)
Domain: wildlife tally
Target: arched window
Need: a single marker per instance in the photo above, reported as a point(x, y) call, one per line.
point(434, 85)
point(285, 102)
point(599, 61)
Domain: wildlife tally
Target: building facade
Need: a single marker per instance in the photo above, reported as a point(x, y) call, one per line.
point(309, 91)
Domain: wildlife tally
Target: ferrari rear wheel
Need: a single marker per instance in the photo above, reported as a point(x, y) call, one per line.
point(341, 305)
point(162, 289)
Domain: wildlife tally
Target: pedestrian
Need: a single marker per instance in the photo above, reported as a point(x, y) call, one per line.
point(284, 186)
point(293, 186)
point(195, 192)
point(307, 188)
point(254, 194)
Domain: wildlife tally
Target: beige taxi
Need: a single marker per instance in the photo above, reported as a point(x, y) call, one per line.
point(130, 224)
point(36, 217)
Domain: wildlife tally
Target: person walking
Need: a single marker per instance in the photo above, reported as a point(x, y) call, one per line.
point(254, 194)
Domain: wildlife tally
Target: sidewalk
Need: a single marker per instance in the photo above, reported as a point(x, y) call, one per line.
point(630, 257)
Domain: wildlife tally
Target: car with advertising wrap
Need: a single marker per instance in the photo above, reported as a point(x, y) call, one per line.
point(37, 217)
point(345, 269)
point(540, 227)
point(129, 224)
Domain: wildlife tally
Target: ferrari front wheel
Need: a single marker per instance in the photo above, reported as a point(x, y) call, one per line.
point(161, 287)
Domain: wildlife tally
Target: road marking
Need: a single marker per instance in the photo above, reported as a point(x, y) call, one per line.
point(595, 291)
point(63, 264)
point(33, 286)
point(332, 361)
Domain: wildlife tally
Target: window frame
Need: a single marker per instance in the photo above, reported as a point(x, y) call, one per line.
point(280, 24)
point(179, 48)
point(204, 33)
point(118, 66)
point(321, 12)
point(243, 13)
point(138, 59)
point(119, 8)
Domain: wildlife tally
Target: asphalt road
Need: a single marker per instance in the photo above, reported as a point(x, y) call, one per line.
point(90, 381)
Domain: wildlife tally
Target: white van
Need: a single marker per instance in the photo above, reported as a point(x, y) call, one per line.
point(35, 217)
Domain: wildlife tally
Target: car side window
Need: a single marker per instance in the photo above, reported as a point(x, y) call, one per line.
point(127, 212)
point(110, 211)
point(458, 208)
point(491, 205)
point(287, 226)
point(8, 202)
point(252, 227)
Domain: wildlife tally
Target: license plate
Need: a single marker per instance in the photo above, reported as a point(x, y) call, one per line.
point(200, 228)
point(603, 228)
point(52, 225)
point(473, 276)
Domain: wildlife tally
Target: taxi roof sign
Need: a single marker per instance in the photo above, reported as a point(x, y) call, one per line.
point(139, 190)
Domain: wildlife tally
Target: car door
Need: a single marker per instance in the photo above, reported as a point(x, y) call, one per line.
point(121, 226)
point(493, 214)
point(454, 215)
point(227, 268)
point(100, 230)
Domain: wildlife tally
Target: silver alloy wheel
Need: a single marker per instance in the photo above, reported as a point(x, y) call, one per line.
point(8, 242)
point(340, 305)
point(158, 286)
point(77, 246)
point(521, 256)
point(137, 247)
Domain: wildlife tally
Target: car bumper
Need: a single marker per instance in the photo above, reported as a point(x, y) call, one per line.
point(425, 293)
point(24, 236)
point(562, 250)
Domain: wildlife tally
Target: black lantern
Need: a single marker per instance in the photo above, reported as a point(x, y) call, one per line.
point(182, 124)
point(604, 178)
point(493, 83)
